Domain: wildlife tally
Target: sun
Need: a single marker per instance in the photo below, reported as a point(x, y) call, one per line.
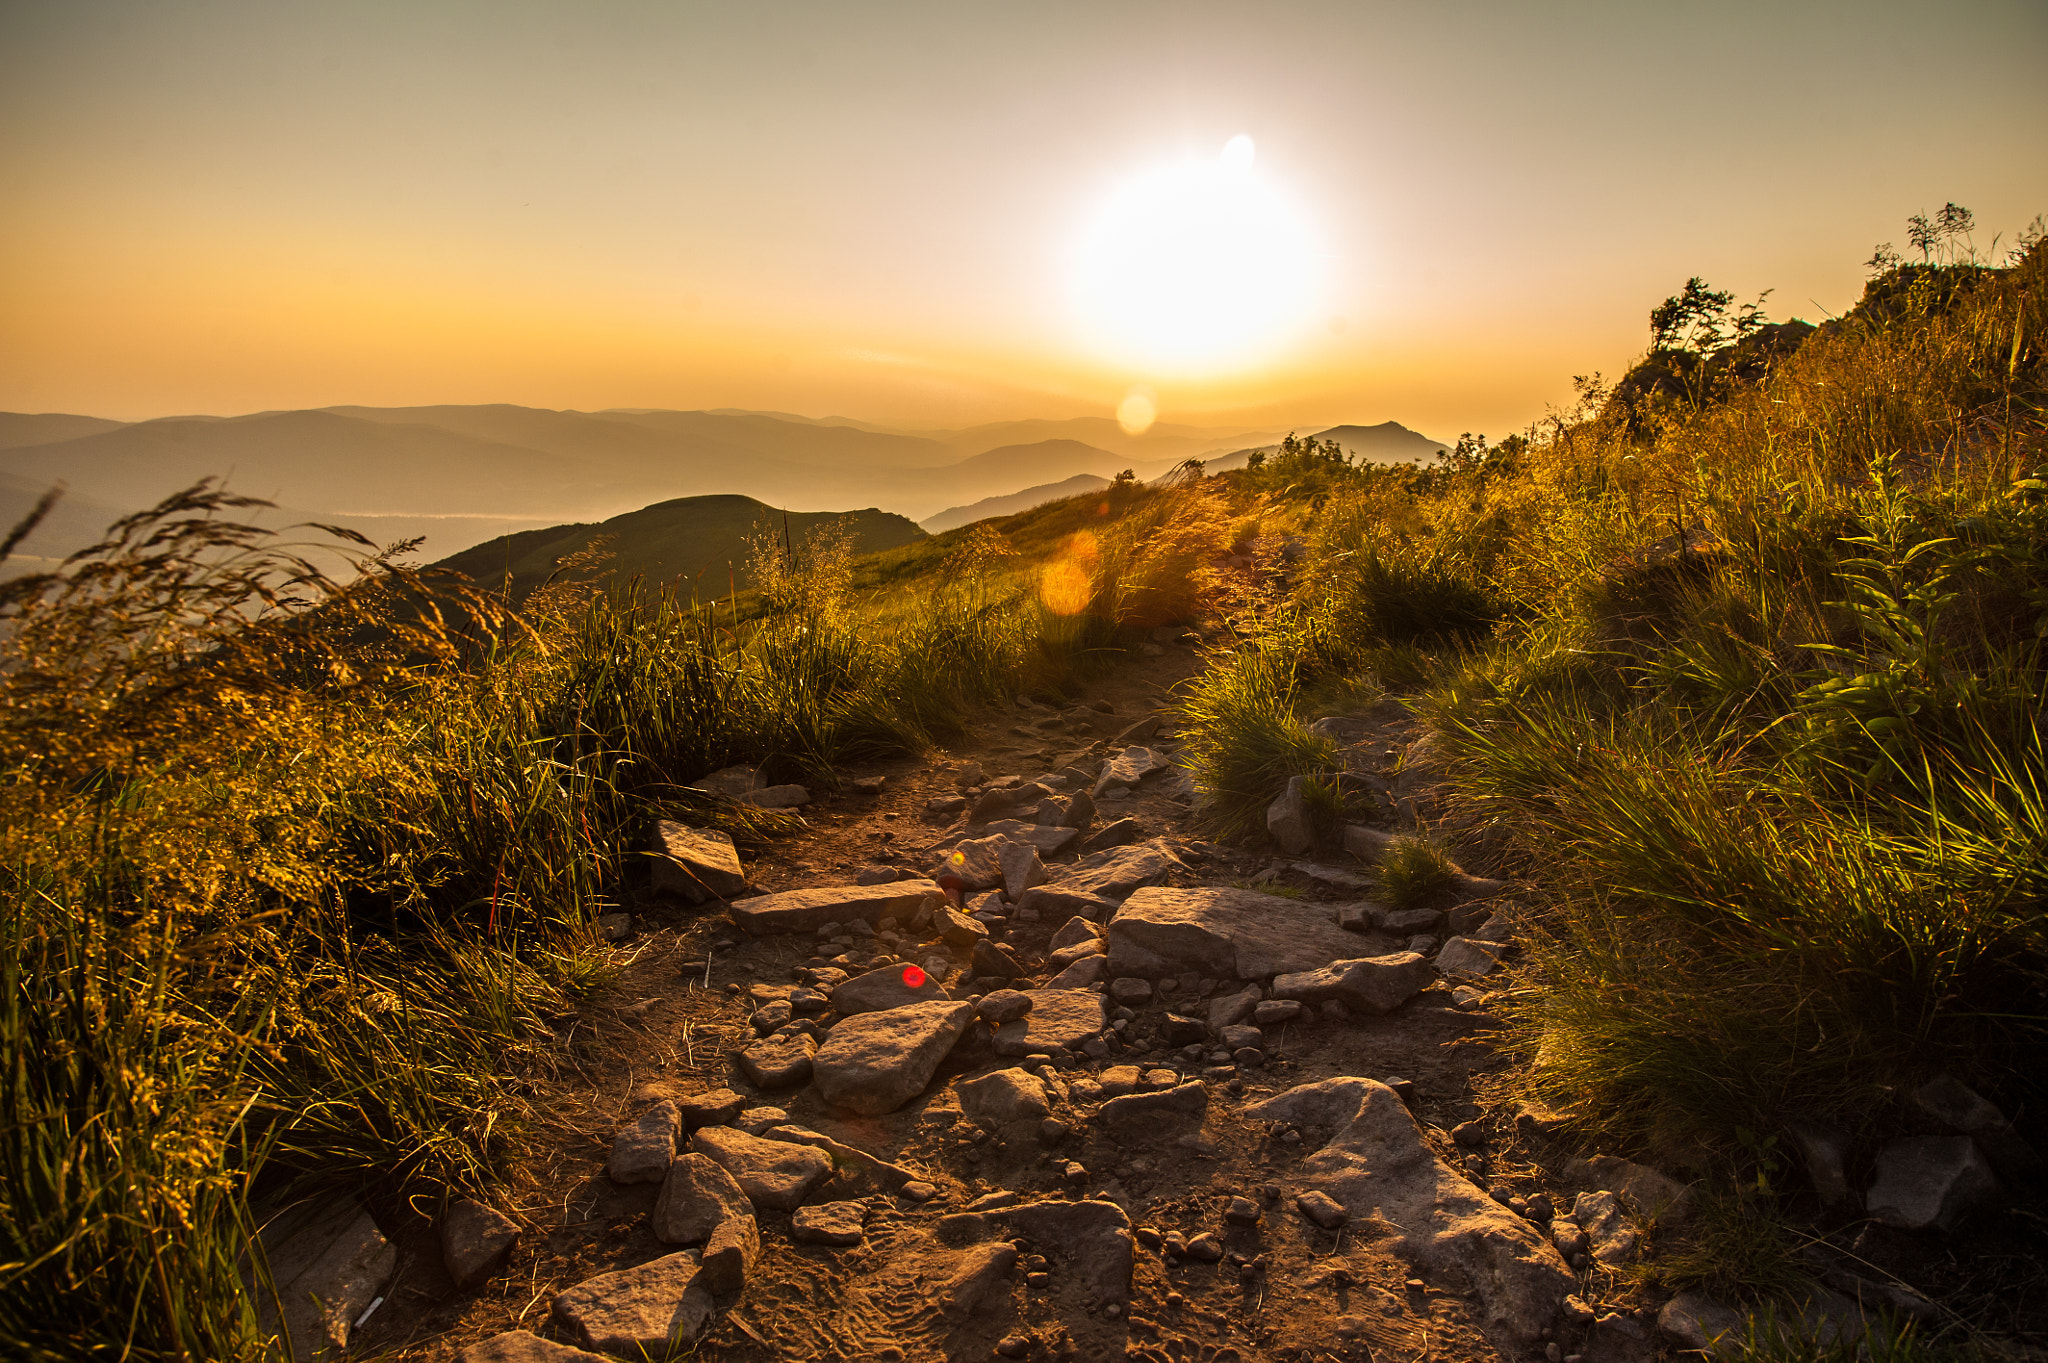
point(1196, 267)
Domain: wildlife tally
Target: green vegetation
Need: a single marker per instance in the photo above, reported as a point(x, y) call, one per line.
point(1748, 668)
point(295, 871)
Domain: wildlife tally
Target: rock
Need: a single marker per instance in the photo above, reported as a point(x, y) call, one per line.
point(1321, 1208)
point(1142, 731)
point(1694, 1321)
point(1021, 869)
point(869, 785)
point(714, 1107)
point(1206, 1248)
point(779, 1062)
point(642, 1151)
point(807, 910)
point(615, 927)
point(972, 1276)
point(731, 782)
point(1065, 956)
point(1367, 844)
point(1224, 931)
point(1122, 833)
point(1048, 839)
point(1825, 1154)
point(1004, 1005)
point(328, 1262)
point(475, 1242)
point(945, 806)
point(772, 1016)
point(694, 864)
point(998, 1099)
point(1468, 956)
point(1335, 877)
point(1115, 873)
point(848, 1161)
point(1088, 970)
point(1240, 1038)
point(1377, 1167)
point(877, 1062)
point(649, 1309)
point(1131, 992)
point(1075, 910)
point(1080, 812)
point(729, 1255)
point(1144, 1109)
point(1652, 1193)
point(891, 986)
point(1243, 1211)
point(1609, 1235)
point(990, 959)
point(1962, 1111)
point(1231, 1009)
point(1129, 767)
point(959, 930)
point(1274, 1012)
point(1060, 1019)
point(1183, 1031)
point(1006, 803)
point(776, 1175)
point(697, 1196)
point(1930, 1183)
point(756, 1120)
point(777, 797)
point(1376, 984)
point(520, 1346)
point(1287, 821)
point(1090, 1240)
point(838, 1224)
point(1408, 922)
point(878, 875)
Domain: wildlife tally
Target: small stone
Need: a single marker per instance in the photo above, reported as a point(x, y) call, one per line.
point(1273, 1012)
point(1004, 1005)
point(641, 1153)
point(1131, 991)
point(475, 1242)
point(1321, 1208)
point(831, 1223)
point(1205, 1247)
point(1469, 1134)
point(1242, 1210)
point(714, 1107)
point(1014, 1346)
point(755, 1120)
point(917, 1190)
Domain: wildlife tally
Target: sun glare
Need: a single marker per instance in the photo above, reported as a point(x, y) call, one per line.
point(1196, 267)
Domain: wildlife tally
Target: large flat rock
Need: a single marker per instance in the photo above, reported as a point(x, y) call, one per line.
point(810, 909)
point(646, 1311)
point(1378, 1168)
point(695, 864)
point(1091, 1241)
point(522, 1346)
point(876, 1062)
point(1060, 1019)
point(889, 987)
point(328, 1261)
point(773, 1174)
point(1120, 870)
point(1223, 932)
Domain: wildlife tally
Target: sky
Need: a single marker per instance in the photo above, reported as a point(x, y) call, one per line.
point(932, 215)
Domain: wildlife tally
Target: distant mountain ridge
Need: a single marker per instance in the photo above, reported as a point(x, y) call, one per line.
point(954, 517)
point(692, 542)
point(456, 473)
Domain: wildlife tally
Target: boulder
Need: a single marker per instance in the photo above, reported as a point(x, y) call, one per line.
point(1000, 1098)
point(959, 930)
point(650, 1309)
point(1223, 932)
point(1375, 984)
point(328, 1262)
point(1003, 1005)
point(891, 986)
point(777, 1175)
point(779, 1062)
point(1115, 873)
point(695, 864)
point(1378, 1168)
point(641, 1152)
point(1060, 1019)
point(521, 1346)
point(808, 910)
point(698, 1195)
point(1287, 821)
point(475, 1242)
point(877, 1062)
point(837, 1224)
point(1930, 1183)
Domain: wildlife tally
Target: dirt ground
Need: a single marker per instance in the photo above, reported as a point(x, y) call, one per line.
point(679, 1008)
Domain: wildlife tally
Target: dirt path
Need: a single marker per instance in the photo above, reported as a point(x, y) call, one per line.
point(1283, 1288)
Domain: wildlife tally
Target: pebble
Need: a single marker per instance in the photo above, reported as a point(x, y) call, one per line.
point(1242, 1209)
point(919, 1191)
point(1205, 1247)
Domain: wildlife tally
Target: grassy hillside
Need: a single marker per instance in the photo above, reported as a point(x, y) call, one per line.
point(698, 544)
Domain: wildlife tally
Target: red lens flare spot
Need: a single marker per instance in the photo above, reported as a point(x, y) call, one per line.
point(912, 976)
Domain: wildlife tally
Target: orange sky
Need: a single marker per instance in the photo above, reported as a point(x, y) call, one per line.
point(872, 209)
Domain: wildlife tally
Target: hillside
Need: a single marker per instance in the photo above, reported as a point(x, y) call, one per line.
point(675, 541)
point(956, 516)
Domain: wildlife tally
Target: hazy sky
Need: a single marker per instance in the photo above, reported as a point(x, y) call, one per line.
point(881, 209)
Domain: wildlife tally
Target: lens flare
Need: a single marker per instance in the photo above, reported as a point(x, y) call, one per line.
point(913, 977)
point(1065, 584)
point(1137, 412)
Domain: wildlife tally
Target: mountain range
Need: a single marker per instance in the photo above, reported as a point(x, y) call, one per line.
point(461, 475)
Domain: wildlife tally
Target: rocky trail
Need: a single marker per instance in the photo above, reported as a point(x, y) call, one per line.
point(1135, 1095)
